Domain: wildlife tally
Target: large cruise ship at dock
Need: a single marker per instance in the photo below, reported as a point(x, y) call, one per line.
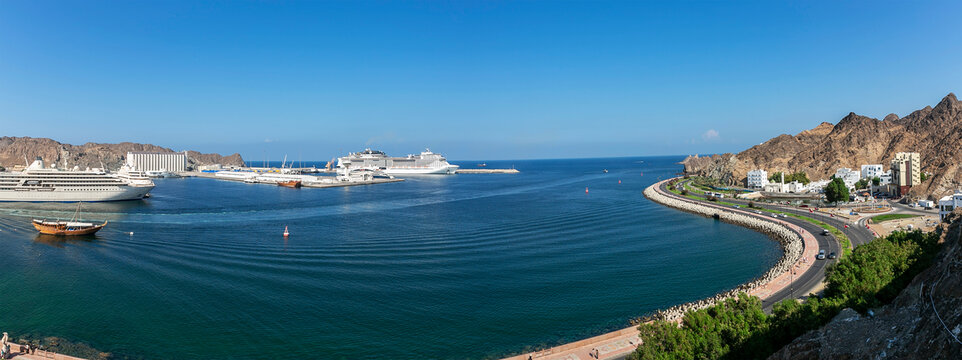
point(425, 163)
point(38, 183)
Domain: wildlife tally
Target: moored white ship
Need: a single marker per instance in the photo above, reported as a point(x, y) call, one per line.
point(425, 163)
point(37, 183)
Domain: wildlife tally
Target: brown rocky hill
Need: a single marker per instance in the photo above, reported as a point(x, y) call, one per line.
point(923, 322)
point(13, 151)
point(935, 133)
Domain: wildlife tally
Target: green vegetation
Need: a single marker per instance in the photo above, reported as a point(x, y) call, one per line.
point(861, 184)
point(888, 217)
point(799, 176)
point(738, 329)
point(923, 176)
point(876, 181)
point(836, 191)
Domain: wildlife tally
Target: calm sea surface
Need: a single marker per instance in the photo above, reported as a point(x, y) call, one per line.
point(464, 266)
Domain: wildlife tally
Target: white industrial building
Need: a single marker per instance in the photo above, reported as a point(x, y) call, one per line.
point(757, 179)
point(158, 161)
point(849, 176)
point(871, 171)
point(949, 203)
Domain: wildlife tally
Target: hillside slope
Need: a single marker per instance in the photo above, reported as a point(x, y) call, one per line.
point(935, 133)
point(924, 321)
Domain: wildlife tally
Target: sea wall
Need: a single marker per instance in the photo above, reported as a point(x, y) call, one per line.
point(791, 242)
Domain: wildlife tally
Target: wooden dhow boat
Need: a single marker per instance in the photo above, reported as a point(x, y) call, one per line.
point(290, 184)
point(67, 228)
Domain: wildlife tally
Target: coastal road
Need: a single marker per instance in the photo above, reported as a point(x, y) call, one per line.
point(805, 281)
point(858, 235)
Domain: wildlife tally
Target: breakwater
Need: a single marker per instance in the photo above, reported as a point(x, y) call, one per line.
point(791, 242)
point(487, 171)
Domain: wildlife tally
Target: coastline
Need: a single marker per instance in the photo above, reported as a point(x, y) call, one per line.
point(798, 245)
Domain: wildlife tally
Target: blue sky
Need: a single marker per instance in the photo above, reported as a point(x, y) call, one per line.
point(473, 80)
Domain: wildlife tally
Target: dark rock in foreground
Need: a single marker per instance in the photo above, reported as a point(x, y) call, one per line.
point(924, 321)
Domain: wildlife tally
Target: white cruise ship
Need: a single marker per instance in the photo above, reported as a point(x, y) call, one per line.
point(425, 163)
point(37, 183)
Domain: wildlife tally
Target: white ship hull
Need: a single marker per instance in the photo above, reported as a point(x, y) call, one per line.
point(426, 163)
point(118, 193)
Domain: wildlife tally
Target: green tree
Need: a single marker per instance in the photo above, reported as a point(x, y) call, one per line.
point(861, 184)
point(876, 181)
point(800, 177)
point(836, 191)
point(923, 176)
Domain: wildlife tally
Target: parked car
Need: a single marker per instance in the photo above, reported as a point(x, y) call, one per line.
point(832, 255)
point(821, 255)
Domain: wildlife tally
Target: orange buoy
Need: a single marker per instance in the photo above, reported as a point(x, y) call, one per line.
point(586, 189)
point(286, 233)
point(619, 181)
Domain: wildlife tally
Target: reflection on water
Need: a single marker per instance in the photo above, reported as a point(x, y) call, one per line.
point(59, 241)
point(60, 210)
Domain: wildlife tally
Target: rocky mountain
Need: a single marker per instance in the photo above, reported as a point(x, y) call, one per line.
point(935, 133)
point(924, 321)
point(13, 151)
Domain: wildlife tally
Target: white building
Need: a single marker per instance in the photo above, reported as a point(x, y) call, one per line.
point(949, 203)
point(849, 176)
point(906, 168)
point(817, 186)
point(757, 179)
point(871, 171)
point(885, 178)
point(158, 161)
point(796, 187)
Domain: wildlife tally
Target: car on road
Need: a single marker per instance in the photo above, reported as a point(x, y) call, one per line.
point(737, 206)
point(759, 212)
point(774, 215)
point(826, 232)
point(832, 255)
point(821, 255)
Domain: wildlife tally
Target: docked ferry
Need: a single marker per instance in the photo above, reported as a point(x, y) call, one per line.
point(425, 163)
point(38, 183)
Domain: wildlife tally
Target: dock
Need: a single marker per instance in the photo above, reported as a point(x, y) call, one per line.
point(349, 183)
point(325, 182)
point(487, 171)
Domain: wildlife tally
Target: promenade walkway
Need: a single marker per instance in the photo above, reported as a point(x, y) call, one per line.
point(37, 355)
point(618, 344)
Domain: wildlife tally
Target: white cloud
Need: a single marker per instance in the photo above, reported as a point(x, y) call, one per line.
point(268, 140)
point(710, 135)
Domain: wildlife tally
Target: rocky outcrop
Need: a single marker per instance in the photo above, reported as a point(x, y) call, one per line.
point(18, 150)
point(790, 241)
point(935, 133)
point(923, 322)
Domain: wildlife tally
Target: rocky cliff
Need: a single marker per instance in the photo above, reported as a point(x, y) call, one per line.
point(13, 150)
point(935, 133)
point(924, 321)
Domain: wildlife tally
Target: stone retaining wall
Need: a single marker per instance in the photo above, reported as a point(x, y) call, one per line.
point(791, 242)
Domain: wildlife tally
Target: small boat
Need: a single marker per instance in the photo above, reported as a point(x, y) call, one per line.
point(286, 233)
point(290, 184)
point(67, 228)
point(605, 171)
point(482, 164)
